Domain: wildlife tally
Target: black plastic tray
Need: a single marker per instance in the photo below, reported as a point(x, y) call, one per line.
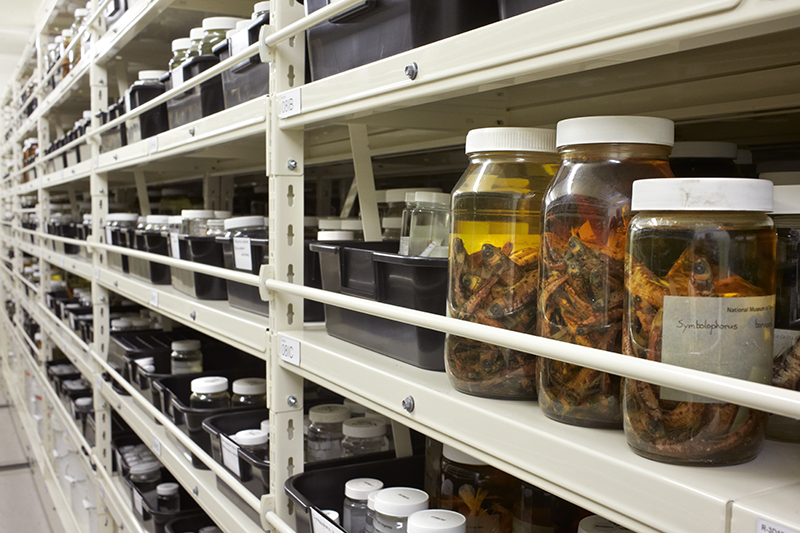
point(368, 271)
point(324, 488)
point(155, 243)
point(151, 122)
point(205, 250)
point(189, 523)
point(151, 517)
point(377, 29)
point(511, 8)
point(56, 379)
point(250, 78)
point(198, 102)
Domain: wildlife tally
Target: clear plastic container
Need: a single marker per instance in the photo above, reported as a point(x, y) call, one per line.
point(122, 221)
point(364, 436)
point(356, 493)
point(700, 273)
point(494, 256)
point(252, 227)
point(369, 521)
point(167, 497)
point(393, 507)
point(145, 475)
point(249, 391)
point(325, 432)
point(180, 52)
point(210, 392)
point(391, 228)
point(704, 159)
point(195, 221)
point(66, 59)
point(215, 227)
point(429, 235)
point(464, 479)
point(533, 510)
point(585, 222)
point(255, 440)
point(433, 469)
point(437, 521)
point(186, 357)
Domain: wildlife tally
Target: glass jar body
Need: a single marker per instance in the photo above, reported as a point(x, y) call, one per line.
point(210, 39)
point(210, 400)
point(405, 227)
point(495, 513)
point(146, 481)
point(196, 226)
point(352, 446)
point(178, 58)
point(249, 399)
point(430, 230)
point(354, 515)
point(384, 523)
point(701, 295)
point(168, 502)
point(494, 247)
point(324, 441)
point(186, 361)
point(585, 222)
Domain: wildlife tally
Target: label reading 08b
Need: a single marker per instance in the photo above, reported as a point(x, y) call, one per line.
point(290, 350)
point(290, 103)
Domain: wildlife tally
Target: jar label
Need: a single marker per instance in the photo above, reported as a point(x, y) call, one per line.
point(175, 246)
point(230, 455)
point(784, 340)
point(241, 254)
point(725, 336)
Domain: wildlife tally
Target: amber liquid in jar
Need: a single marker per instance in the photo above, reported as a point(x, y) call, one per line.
point(691, 255)
point(494, 270)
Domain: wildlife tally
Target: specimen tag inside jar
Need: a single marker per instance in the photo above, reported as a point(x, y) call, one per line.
point(784, 339)
point(725, 336)
point(241, 254)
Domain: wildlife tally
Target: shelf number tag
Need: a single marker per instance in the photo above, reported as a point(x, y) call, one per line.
point(97, 161)
point(290, 103)
point(290, 350)
point(97, 273)
point(321, 523)
point(230, 455)
point(764, 526)
point(153, 144)
point(153, 298)
point(63, 261)
point(99, 382)
point(156, 446)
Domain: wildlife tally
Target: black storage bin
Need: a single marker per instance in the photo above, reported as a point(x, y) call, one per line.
point(368, 271)
point(193, 523)
point(150, 122)
point(377, 29)
point(114, 11)
point(116, 137)
point(511, 8)
point(55, 377)
point(68, 230)
point(205, 250)
point(120, 237)
point(250, 78)
point(323, 488)
point(197, 102)
point(153, 242)
point(53, 297)
point(153, 519)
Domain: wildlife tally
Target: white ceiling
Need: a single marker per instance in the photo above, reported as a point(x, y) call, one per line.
point(17, 19)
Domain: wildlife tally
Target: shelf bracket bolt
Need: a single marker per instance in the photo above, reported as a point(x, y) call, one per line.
point(408, 404)
point(291, 164)
point(412, 70)
point(195, 491)
point(291, 401)
point(193, 315)
point(102, 298)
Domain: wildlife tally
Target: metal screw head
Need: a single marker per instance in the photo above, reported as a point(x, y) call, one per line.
point(191, 131)
point(408, 403)
point(102, 298)
point(195, 491)
point(412, 70)
point(291, 401)
point(291, 164)
point(193, 315)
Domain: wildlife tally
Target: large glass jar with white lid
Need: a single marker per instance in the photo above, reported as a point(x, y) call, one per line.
point(250, 392)
point(363, 436)
point(180, 52)
point(393, 506)
point(356, 493)
point(77, 25)
point(186, 357)
point(146, 475)
point(214, 32)
point(195, 221)
point(119, 222)
point(253, 440)
point(429, 235)
point(156, 223)
point(210, 392)
point(494, 251)
point(196, 40)
point(587, 211)
point(325, 432)
point(700, 273)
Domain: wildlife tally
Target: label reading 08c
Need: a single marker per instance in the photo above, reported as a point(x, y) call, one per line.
point(290, 350)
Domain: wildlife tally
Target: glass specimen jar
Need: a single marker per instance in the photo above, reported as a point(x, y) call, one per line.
point(325, 431)
point(704, 159)
point(363, 436)
point(700, 273)
point(123, 222)
point(180, 52)
point(249, 391)
point(393, 507)
point(254, 440)
point(430, 225)
point(168, 497)
point(195, 221)
point(494, 256)
point(483, 493)
point(533, 510)
point(356, 493)
point(210, 392)
point(587, 211)
point(186, 357)
point(146, 475)
point(196, 40)
point(214, 32)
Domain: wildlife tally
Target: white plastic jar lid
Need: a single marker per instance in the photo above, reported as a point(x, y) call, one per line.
point(245, 222)
point(615, 129)
point(781, 178)
point(122, 217)
point(399, 195)
point(157, 219)
point(261, 6)
point(66, 33)
point(361, 487)
point(167, 489)
point(364, 428)
point(251, 437)
point(121, 323)
point(181, 44)
point(330, 236)
point(140, 322)
point(457, 456)
point(437, 521)
point(442, 198)
point(598, 524)
point(197, 213)
point(250, 386)
point(195, 34)
point(220, 23)
point(151, 74)
point(223, 214)
point(371, 499)
point(511, 140)
point(786, 200)
point(83, 402)
point(265, 426)
point(704, 150)
point(185, 345)
point(401, 501)
point(355, 408)
point(329, 413)
point(210, 384)
point(145, 468)
point(81, 12)
point(87, 218)
point(702, 194)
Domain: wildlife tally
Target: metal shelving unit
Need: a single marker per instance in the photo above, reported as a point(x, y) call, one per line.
point(701, 63)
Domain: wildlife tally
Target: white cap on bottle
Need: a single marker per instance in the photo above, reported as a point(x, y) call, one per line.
point(332, 236)
point(121, 323)
point(181, 44)
point(371, 499)
point(220, 23)
point(252, 437)
point(437, 521)
point(197, 213)
point(83, 402)
point(157, 219)
point(781, 178)
point(122, 217)
point(66, 33)
point(185, 345)
point(222, 214)
point(702, 194)
point(151, 74)
point(242, 24)
point(250, 386)
point(433, 197)
point(786, 200)
point(364, 428)
point(210, 384)
point(329, 413)
point(195, 34)
point(175, 219)
point(511, 140)
point(399, 195)
point(361, 487)
point(245, 222)
point(333, 515)
point(615, 130)
point(598, 524)
point(265, 426)
point(87, 115)
point(401, 501)
point(167, 489)
point(457, 456)
point(704, 150)
point(139, 322)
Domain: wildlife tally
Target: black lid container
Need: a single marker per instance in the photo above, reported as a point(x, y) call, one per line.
point(150, 122)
